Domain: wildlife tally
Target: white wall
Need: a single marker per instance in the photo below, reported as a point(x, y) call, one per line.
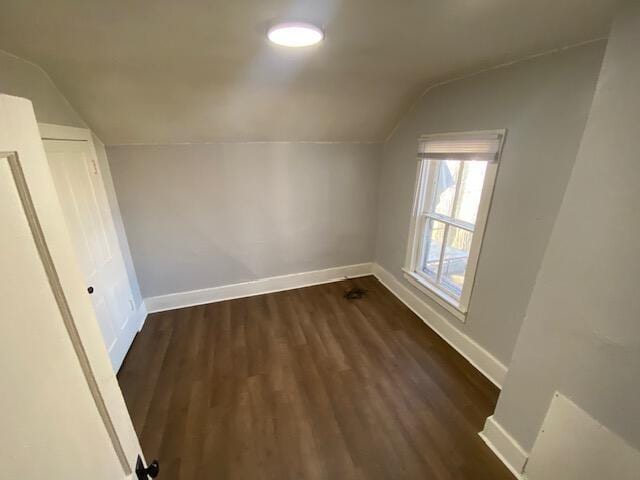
point(543, 102)
point(24, 79)
point(205, 215)
point(581, 335)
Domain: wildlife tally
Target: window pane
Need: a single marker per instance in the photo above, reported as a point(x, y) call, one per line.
point(454, 262)
point(446, 186)
point(470, 191)
point(433, 235)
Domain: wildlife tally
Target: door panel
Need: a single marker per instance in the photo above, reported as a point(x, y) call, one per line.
point(86, 210)
point(107, 328)
point(63, 412)
point(50, 423)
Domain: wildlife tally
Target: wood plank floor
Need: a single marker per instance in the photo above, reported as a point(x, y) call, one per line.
point(306, 384)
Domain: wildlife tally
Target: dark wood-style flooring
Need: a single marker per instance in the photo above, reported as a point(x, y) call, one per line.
point(305, 384)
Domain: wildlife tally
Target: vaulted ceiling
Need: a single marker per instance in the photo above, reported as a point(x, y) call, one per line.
point(171, 71)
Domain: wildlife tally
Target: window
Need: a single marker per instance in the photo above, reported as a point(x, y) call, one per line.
point(456, 174)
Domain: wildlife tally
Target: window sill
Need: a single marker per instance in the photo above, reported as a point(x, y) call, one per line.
point(440, 298)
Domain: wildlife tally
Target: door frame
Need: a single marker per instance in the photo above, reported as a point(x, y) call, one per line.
point(20, 136)
point(51, 131)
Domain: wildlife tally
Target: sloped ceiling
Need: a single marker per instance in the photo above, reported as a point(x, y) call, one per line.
point(171, 71)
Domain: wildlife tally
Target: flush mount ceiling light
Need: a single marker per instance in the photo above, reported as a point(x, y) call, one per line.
point(295, 34)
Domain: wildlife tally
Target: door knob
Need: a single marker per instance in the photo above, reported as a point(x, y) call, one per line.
point(152, 470)
point(90, 290)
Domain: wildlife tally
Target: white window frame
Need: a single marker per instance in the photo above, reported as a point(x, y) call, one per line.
point(426, 179)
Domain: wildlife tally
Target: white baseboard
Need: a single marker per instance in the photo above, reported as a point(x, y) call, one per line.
point(256, 287)
point(504, 446)
point(141, 315)
point(486, 363)
point(480, 358)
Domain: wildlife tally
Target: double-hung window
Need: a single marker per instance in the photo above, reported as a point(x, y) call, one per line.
point(456, 174)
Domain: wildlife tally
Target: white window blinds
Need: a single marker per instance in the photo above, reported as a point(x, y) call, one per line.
point(483, 146)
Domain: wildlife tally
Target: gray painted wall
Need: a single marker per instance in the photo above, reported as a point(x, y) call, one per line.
point(205, 215)
point(543, 102)
point(582, 332)
point(24, 79)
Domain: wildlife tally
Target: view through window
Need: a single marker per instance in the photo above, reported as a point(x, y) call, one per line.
point(456, 177)
point(450, 222)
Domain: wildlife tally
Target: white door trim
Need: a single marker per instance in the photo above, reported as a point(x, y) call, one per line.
point(51, 131)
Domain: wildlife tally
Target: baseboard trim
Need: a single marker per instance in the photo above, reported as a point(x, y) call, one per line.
point(506, 448)
point(480, 358)
point(255, 287)
point(141, 315)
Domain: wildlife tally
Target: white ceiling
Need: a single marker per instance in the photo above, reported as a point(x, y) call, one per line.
point(169, 71)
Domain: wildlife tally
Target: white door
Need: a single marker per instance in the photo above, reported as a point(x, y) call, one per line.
point(63, 416)
point(86, 209)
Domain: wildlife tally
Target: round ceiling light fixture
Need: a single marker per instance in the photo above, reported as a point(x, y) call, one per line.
point(295, 34)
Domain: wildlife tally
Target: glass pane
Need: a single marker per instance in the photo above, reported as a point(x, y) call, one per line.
point(445, 186)
point(433, 235)
point(470, 191)
point(454, 262)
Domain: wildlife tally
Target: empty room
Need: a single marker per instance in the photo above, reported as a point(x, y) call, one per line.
point(320, 239)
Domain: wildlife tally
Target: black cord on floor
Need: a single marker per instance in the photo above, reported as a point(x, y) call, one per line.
point(354, 293)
